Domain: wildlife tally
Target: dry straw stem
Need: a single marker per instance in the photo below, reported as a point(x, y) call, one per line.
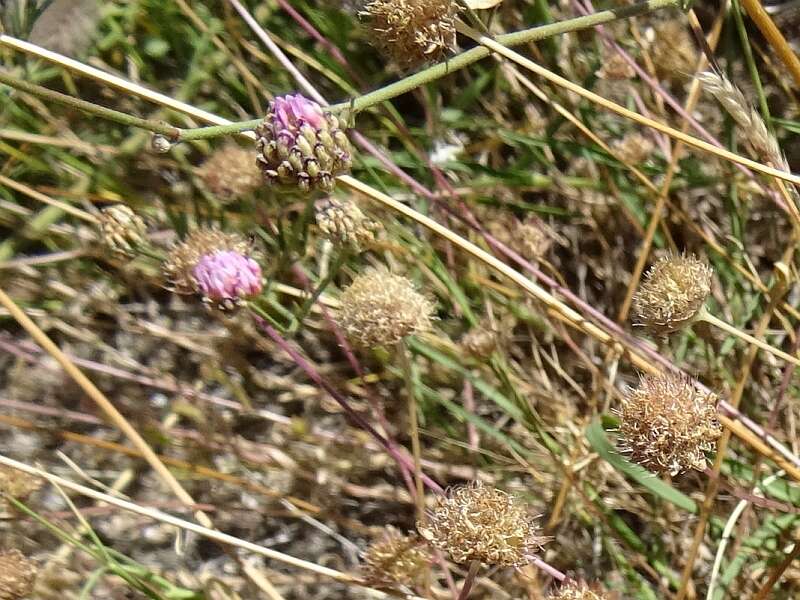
point(206, 532)
point(774, 36)
point(622, 111)
point(32, 193)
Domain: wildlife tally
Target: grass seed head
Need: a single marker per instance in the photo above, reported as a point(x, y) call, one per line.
point(300, 145)
point(478, 522)
point(412, 32)
point(672, 293)
point(380, 309)
point(17, 575)
point(122, 231)
point(342, 222)
point(230, 172)
point(667, 424)
point(577, 590)
point(396, 559)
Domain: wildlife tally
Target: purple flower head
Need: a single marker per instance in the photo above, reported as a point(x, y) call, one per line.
point(227, 276)
point(291, 112)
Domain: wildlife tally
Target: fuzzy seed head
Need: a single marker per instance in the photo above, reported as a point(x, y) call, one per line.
point(668, 424)
point(477, 522)
point(576, 590)
point(412, 32)
point(380, 309)
point(672, 293)
point(343, 223)
point(17, 575)
point(230, 172)
point(396, 559)
point(301, 145)
point(121, 230)
point(17, 484)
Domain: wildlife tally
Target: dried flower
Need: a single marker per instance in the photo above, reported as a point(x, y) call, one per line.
point(412, 32)
point(615, 68)
point(17, 484)
point(668, 424)
point(531, 238)
point(121, 230)
point(301, 145)
point(381, 309)
point(230, 172)
point(633, 148)
point(342, 222)
point(673, 292)
point(17, 575)
point(396, 559)
point(480, 342)
point(476, 522)
point(215, 264)
point(576, 590)
point(673, 50)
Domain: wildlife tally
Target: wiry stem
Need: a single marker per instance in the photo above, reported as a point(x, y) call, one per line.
point(416, 451)
point(469, 580)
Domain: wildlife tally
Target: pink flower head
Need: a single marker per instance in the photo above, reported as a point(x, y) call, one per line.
point(291, 112)
point(227, 276)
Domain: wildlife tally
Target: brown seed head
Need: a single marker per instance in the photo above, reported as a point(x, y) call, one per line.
point(185, 255)
point(531, 238)
point(381, 309)
point(673, 292)
point(17, 575)
point(230, 172)
point(17, 484)
point(480, 342)
point(634, 148)
point(413, 32)
point(396, 559)
point(576, 590)
point(668, 424)
point(122, 231)
point(342, 222)
point(477, 522)
point(673, 50)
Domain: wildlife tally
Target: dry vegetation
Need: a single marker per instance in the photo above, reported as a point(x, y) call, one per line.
point(412, 344)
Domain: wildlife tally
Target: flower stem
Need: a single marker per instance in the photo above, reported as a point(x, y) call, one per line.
point(408, 375)
point(469, 580)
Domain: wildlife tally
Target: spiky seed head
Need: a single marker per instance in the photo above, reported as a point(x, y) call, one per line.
point(668, 424)
point(412, 32)
point(478, 522)
point(672, 293)
point(17, 575)
point(396, 559)
point(121, 230)
point(230, 172)
point(342, 222)
point(380, 309)
point(301, 145)
point(577, 590)
point(17, 484)
point(217, 265)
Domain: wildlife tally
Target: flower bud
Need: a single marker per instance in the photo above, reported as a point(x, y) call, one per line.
point(396, 559)
point(17, 575)
point(230, 172)
point(476, 522)
point(668, 424)
point(381, 309)
point(342, 222)
point(301, 145)
point(413, 32)
point(121, 230)
point(672, 294)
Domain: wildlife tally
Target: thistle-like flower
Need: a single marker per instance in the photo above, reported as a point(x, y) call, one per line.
point(667, 424)
point(396, 559)
point(301, 145)
point(342, 222)
point(412, 32)
point(217, 265)
point(17, 575)
point(230, 172)
point(17, 484)
point(381, 309)
point(479, 523)
point(576, 590)
point(121, 230)
point(673, 293)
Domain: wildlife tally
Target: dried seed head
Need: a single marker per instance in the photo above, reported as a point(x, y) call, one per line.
point(668, 424)
point(396, 559)
point(230, 172)
point(381, 309)
point(615, 68)
point(673, 50)
point(413, 32)
point(531, 238)
point(480, 342)
point(576, 590)
point(476, 522)
point(634, 148)
point(121, 230)
point(301, 145)
point(17, 575)
point(17, 484)
point(215, 264)
point(342, 222)
point(672, 294)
